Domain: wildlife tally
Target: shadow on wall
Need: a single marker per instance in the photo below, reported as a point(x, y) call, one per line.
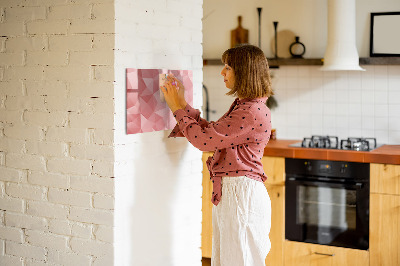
point(156, 190)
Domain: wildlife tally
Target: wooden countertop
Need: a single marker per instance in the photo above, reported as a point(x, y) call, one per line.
point(389, 154)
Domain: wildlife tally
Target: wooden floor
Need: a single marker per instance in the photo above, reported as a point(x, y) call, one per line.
point(206, 261)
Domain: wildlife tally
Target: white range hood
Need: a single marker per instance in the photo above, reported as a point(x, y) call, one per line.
point(341, 51)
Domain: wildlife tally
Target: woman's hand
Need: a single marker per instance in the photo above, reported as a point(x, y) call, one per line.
point(172, 95)
point(181, 91)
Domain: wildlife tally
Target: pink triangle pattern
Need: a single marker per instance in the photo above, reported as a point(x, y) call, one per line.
point(145, 112)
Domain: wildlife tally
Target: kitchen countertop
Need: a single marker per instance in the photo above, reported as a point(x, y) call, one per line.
point(389, 154)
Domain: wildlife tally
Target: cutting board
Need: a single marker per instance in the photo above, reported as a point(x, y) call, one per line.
point(239, 35)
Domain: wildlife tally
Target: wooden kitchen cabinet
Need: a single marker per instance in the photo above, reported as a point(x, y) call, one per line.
point(274, 168)
point(305, 254)
point(206, 225)
point(277, 233)
point(385, 178)
point(384, 236)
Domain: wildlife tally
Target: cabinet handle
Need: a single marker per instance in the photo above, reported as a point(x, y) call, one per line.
point(324, 254)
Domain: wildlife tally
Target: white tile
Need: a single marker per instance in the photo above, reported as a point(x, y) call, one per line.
point(355, 122)
point(342, 122)
point(317, 120)
point(394, 123)
point(355, 109)
point(394, 83)
point(293, 120)
point(329, 122)
point(354, 83)
point(369, 70)
point(342, 96)
point(355, 96)
point(394, 137)
point(381, 71)
point(368, 122)
point(381, 97)
point(317, 95)
point(342, 81)
point(355, 132)
point(304, 72)
point(368, 110)
point(303, 82)
point(394, 110)
point(367, 96)
point(317, 107)
point(278, 84)
point(342, 133)
point(381, 123)
point(329, 109)
point(394, 70)
point(315, 71)
point(381, 84)
point(328, 74)
point(367, 133)
point(329, 95)
point(317, 131)
point(316, 82)
point(381, 110)
point(291, 71)
point(292, 83)
point(394, 97)
point(382, 136)
point(367, 83)
point(331, 131)
point(342, 109)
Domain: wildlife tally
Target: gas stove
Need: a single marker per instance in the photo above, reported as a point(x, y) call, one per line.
point(332, 142)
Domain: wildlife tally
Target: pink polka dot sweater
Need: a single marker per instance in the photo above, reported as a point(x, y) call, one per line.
point(238, 139)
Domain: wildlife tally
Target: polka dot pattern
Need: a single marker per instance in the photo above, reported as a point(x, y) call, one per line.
point(238, 139)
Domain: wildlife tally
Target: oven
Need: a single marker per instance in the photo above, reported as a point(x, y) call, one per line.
point(327, 202)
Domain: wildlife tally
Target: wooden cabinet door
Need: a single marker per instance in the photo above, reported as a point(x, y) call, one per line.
point(385, 178)
point(206, 226)
point(304, 254)
point(277, 233)
point(384, 236)
point(274, 168)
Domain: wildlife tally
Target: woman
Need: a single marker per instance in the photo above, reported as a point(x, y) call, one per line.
point(242, 208)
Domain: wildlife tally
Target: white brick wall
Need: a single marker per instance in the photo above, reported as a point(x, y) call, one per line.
point(56, 132)
point(61, 144)
point(156, 178)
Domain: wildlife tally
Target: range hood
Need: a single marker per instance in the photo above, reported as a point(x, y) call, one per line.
point(341, 51)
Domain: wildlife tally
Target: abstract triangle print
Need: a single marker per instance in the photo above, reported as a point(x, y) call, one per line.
point(145, 110)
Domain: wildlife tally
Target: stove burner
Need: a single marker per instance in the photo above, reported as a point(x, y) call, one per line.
point(358, 144)
point(332, 142)
point(328, 142)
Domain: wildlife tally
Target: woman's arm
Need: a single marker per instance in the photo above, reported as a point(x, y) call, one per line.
point(239, 127)
point(174, 93)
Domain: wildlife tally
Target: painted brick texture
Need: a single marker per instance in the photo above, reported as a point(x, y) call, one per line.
point(56, 132)
point(158, 180)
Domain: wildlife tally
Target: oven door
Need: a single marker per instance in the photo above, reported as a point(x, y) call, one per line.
point(327, 213)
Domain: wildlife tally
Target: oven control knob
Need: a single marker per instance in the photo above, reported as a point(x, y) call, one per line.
point(343, 168)
point(308, 166)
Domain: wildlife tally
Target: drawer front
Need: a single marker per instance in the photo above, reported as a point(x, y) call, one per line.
point(297, 253)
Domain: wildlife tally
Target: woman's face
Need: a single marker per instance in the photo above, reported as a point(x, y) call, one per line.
point(229, 76)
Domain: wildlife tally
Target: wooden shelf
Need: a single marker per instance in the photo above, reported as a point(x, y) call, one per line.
point(380, 61)
point(274, 63)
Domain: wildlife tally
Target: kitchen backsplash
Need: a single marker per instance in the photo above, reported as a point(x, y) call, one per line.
point(314, 102)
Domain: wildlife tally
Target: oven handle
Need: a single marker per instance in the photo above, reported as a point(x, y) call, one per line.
point(357, 185)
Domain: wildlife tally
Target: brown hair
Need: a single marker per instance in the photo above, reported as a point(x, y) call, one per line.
point(250, 66)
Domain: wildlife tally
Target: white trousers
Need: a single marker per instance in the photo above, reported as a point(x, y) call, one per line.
point(241, 223)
